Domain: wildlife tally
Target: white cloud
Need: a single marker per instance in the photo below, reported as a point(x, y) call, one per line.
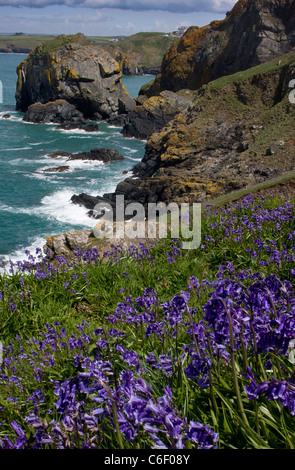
point(174, 6)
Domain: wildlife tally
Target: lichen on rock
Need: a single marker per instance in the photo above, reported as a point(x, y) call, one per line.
point(72, 69)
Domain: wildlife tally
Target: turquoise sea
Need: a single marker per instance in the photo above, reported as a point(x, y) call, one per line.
point(35, 204)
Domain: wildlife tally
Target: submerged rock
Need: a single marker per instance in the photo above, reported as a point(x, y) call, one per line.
point(101, 154)
point(58, 169)
point(72, 69)
point(105, 155)
point(69, 126)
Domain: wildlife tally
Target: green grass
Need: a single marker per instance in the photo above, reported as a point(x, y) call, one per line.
point(91, 291)
point(233, 196)
point(270, 66)
point(150, 46)
point(26, 43)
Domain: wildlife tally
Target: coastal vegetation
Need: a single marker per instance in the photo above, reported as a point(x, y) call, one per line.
point(138, 53)
point(157, 346)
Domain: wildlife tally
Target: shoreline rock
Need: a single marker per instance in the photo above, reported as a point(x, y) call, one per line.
point(102, 154)
point(237, 132)
point(59, 111)
point(66, 243)
point(105, 155)
point(155, 113)
point(71, 68)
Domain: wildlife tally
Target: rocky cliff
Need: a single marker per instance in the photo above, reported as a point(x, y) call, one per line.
point(253, 32)
point(237, 132)
point(140, 53)
point(70, 68)
point(155, 112)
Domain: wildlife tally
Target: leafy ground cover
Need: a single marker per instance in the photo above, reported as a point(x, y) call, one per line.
point(159, 347)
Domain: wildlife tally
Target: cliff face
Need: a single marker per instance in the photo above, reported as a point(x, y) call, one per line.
point(155, 113)
point(71, 69)
point(253, 32)
point(141, 52)
point(237, 132)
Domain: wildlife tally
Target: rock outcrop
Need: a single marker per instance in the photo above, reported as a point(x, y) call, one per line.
point(66, 244)
point(70, 68)
point(237, 132)
point(59, 111)
point(104, 155)
point(253, 32)
point(155, 113)
point(100, 154)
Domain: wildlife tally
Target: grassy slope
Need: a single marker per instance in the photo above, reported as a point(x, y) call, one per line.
point(24, 42)
point(151, 46)
point(267, 117)
point(91, 292)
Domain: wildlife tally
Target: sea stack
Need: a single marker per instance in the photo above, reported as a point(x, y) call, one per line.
point(70, 68)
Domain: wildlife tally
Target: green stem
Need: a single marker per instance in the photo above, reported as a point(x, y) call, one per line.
point(244, 352)
point(193, 333)
point(118, 432)
point(212, 395)
point(233, 364)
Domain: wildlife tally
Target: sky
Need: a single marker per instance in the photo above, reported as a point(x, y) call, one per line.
point(107, 17)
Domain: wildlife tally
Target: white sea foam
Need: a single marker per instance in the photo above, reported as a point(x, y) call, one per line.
point(17, 210)
point(27, 161)
point(134, 159)
point(58, 206)
point(15, 149)
point(12, 115)
point(130, 150)
point(80, 131)
point(22, 253)
point(43, 142)
point(73, 165)
point(53, 178)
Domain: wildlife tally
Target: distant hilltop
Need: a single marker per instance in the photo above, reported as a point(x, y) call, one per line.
point(140, 53)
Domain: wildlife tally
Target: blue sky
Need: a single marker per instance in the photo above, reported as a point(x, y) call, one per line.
point(107, 17)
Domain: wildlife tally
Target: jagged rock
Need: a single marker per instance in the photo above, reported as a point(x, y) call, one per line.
point(72, 69)
point(56, 246)
point(87, 201)
point(59, 153)
point(58, 169)
point(90, 128)
point(155, 113)
point(65, 245)
point(69, 126)
point(220, 143)
point(105, 155)
point(58, 111)
point(253, 32)
point(102, 154)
